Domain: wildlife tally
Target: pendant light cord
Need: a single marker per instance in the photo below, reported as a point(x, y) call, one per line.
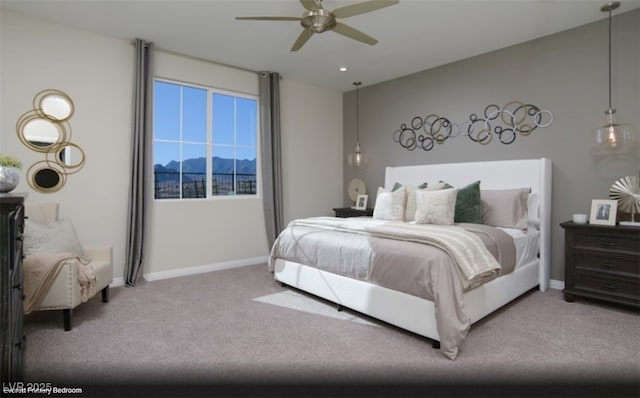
point(610, 58)
point(358, 113)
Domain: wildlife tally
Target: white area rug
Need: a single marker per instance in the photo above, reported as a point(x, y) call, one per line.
point(299, 302)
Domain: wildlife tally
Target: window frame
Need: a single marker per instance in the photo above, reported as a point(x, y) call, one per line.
point(210, 91)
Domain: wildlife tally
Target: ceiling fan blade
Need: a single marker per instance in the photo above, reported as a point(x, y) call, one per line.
point(310, 5)
point(270, 18)
point(304, 36)
point(354, 34)
point(361, 8)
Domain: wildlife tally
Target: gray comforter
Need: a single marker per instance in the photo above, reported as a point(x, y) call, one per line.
point(403, 257)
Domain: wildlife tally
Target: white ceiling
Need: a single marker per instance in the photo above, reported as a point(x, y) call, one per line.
point(413, 35)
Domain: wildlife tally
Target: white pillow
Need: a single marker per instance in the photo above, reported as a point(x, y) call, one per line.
point(390, 205)
point(436, 207)
point(57, 237)
point(410, 207)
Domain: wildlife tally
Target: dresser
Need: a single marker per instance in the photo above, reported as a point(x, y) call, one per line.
point(11, 294)
point(602, 262)
point(345, 212)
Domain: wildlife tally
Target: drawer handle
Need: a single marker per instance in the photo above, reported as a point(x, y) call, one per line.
point(608, 244)
point(18, 286)
point(607, 266)
point(610, 286)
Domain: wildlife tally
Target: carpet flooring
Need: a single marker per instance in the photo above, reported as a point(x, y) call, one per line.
point(237, 332)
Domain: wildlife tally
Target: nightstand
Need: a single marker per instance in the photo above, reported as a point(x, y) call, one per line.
point(345, 212)
point(602, 262)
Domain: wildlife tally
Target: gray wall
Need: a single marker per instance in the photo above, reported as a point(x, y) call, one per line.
point(565, 73)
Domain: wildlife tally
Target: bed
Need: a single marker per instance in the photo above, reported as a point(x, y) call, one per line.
point(421, 315)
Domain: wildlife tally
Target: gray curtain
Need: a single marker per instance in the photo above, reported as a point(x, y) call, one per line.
point(269, 95)
point(142, 109)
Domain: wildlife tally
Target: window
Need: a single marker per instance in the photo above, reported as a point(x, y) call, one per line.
point(204, 142)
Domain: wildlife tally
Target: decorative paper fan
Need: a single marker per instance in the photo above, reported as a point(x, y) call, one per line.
point(627, 192)
point(356, 187)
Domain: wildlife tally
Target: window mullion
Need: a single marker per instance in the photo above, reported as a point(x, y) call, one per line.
point(209, 144)
point(181, 152)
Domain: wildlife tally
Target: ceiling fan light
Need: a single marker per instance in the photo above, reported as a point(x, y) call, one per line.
point(318, 21)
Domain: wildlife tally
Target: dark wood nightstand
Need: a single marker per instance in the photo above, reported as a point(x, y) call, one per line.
point(345, 212)
point(602, 262)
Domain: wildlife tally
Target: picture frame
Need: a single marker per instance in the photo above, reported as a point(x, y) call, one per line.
point(603, 212)
point(361, 202)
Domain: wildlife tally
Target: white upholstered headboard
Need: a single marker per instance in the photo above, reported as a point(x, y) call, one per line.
point(501, 174)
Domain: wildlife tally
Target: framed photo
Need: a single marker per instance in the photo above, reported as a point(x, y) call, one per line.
point(603, 212)
point(361, 202)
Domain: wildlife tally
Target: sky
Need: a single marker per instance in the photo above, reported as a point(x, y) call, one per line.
point(182, 110)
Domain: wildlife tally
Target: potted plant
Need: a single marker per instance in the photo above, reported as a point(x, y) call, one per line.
point(9, 173)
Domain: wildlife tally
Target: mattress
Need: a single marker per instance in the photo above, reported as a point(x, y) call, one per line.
point(527, 244)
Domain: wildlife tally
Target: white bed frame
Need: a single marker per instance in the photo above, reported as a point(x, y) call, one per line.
point(417, 314)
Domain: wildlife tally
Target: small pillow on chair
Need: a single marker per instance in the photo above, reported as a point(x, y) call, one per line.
point(56, 237)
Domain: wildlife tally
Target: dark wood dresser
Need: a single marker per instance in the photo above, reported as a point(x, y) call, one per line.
point(602, 262)
point(345, 212)
point(11, 292)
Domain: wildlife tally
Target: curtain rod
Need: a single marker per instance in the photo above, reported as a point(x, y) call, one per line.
point(162, 50)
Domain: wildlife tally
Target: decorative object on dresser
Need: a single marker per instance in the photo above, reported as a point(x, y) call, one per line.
point(603, 212)
point(602, 262)
point(356, 187)
point(361, 202)
point(627, 192)
point(11, 291)
point(9, 173)
point(346, 212)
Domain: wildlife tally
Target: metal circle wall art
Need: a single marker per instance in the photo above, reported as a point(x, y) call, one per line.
point(505, 123)
point(46, 129)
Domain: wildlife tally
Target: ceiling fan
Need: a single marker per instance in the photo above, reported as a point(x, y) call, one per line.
point(317, 20)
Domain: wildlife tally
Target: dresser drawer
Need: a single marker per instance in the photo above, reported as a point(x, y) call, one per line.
point(613, 263)
point(610, 240)
point(624, 288)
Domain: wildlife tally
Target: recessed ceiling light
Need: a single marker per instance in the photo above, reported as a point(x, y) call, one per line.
point(343, 69)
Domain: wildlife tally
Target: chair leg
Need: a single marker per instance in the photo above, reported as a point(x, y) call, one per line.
point(105, 295)
point(66, 318)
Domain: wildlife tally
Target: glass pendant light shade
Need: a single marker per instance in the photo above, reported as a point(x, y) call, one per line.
point(614, 138)
point(357, 158)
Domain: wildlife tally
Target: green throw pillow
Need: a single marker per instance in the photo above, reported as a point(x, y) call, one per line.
point(468, 203)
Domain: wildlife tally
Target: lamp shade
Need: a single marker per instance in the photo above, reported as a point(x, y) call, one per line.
point(614, 138)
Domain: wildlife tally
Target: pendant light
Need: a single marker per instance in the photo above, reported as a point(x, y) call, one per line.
point(613, 138)
point(357, 158)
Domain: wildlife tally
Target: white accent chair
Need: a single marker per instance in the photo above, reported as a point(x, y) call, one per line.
point(64, 293)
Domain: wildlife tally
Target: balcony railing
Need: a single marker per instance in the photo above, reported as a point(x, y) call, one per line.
point(167, 184)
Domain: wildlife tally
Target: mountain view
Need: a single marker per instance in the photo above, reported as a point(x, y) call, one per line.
point(199, 165)
point(225, 181)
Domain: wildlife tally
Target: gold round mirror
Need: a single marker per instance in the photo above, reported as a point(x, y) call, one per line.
point(46, 129)
point(53, 104)
point(43, 177)
point(71, 157)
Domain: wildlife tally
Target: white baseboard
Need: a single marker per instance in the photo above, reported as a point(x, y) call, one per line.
point(555, 284)
point(200, 269)
point(197, 269)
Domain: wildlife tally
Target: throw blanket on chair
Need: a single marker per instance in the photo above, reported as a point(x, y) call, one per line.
point(41, 269)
